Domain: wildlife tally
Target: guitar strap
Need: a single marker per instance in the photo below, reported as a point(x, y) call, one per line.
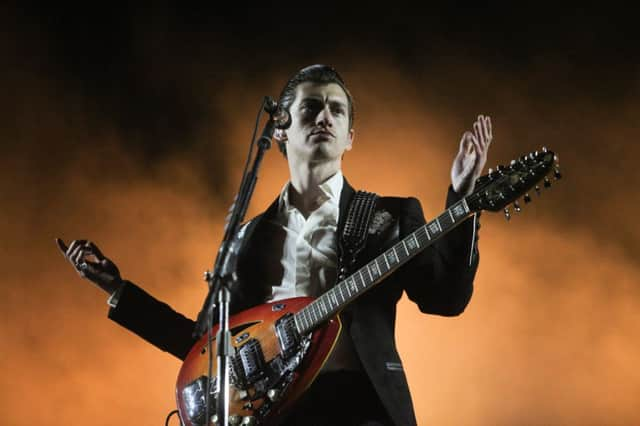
point(354, 234)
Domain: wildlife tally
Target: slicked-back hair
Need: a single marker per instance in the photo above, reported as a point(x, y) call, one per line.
point(320, 74)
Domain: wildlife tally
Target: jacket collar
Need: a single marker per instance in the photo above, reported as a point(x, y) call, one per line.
point(345, 200)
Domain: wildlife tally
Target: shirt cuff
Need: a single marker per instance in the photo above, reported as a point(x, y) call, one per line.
point(112, 301)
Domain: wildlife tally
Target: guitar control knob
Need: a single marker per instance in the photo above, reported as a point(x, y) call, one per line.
point(557, 175)
point(235, 419)
point(273, 394)
point(507, 215)
point(243, 394)
point(214, 419)
point(249, 421)
point(516, 206)
point(527, 198)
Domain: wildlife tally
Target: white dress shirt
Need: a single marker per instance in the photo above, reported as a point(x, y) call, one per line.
point(309, 253)
point(309, 258)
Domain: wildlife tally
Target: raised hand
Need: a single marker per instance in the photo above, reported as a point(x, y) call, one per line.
point(472, 156)
point(91, 264)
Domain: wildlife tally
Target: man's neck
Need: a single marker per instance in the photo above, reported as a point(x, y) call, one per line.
point(305, 192)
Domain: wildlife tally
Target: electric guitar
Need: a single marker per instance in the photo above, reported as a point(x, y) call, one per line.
point(280, 347)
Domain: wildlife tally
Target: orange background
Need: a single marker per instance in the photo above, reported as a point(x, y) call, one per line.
point(551, 335)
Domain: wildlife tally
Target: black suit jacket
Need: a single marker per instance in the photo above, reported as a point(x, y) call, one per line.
point(439, 280)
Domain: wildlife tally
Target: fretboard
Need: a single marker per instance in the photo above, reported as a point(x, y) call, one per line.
point(344, 292)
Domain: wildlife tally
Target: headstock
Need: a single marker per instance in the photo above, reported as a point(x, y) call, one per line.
point(496, 190)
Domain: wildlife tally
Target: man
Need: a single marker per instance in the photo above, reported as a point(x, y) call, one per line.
point(293, 249)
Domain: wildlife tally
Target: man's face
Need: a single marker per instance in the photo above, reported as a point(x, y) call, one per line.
point(319, 123)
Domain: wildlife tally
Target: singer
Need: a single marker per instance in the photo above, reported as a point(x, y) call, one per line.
point(295, 248)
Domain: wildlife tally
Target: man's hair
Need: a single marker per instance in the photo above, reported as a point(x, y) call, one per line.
point(321, 74)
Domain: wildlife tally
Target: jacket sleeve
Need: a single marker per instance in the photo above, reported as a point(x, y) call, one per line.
point(440, 279)
point(154, 321)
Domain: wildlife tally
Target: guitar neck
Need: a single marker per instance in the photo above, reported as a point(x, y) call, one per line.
point(346, 291)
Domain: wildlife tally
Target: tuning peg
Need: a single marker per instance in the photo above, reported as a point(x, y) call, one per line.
point(547, 182)
point(501, 168)
point(556, 174)
point(544, 149)
point(507, 215)
point(537, 188)
point(513, 163)
point(527, 198)
point(516, 206)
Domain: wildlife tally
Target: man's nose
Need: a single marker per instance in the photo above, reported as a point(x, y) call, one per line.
point(324, 117)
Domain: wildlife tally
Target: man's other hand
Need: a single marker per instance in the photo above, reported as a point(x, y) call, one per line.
point(472, 156)
point(90, 263)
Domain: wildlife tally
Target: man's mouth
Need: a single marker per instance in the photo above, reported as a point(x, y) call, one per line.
point(324, 133)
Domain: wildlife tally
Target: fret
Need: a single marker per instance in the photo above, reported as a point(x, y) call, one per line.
point(385, 261)
point(434, 227)
point(364, 283)
point(335, 299)
point(341, 295)
point(426, 231)
point(308, 318)
point(465, 205)
point(376, 270)
point(439, 226)
point(369, 272)
point(304, 318)
point(451, 214)
point(405, 247)
point(346, 283)
point(394, 256)
point(321, 306)
point(295, 321)
point(458, 209)
point(316, 310)
point(354, 286)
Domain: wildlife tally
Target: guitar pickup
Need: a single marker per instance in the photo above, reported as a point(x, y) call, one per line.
point(288, 336)
point(252, 361)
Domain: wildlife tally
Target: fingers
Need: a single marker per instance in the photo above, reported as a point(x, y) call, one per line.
point(466, 143)
point(77, 251)
point(62, 246)
point(483, 133)
point(93, 249)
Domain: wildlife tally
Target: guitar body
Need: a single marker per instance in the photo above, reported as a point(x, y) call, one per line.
point(268, 373)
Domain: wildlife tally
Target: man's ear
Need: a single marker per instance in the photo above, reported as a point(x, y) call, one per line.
point(350, 137)
point(280, 135)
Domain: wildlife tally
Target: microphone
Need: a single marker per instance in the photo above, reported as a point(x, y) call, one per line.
point(280, 116)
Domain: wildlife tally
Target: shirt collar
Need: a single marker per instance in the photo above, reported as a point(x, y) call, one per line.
point(331, 188)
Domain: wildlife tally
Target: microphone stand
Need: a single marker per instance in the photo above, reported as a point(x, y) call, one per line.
point(224, 275)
